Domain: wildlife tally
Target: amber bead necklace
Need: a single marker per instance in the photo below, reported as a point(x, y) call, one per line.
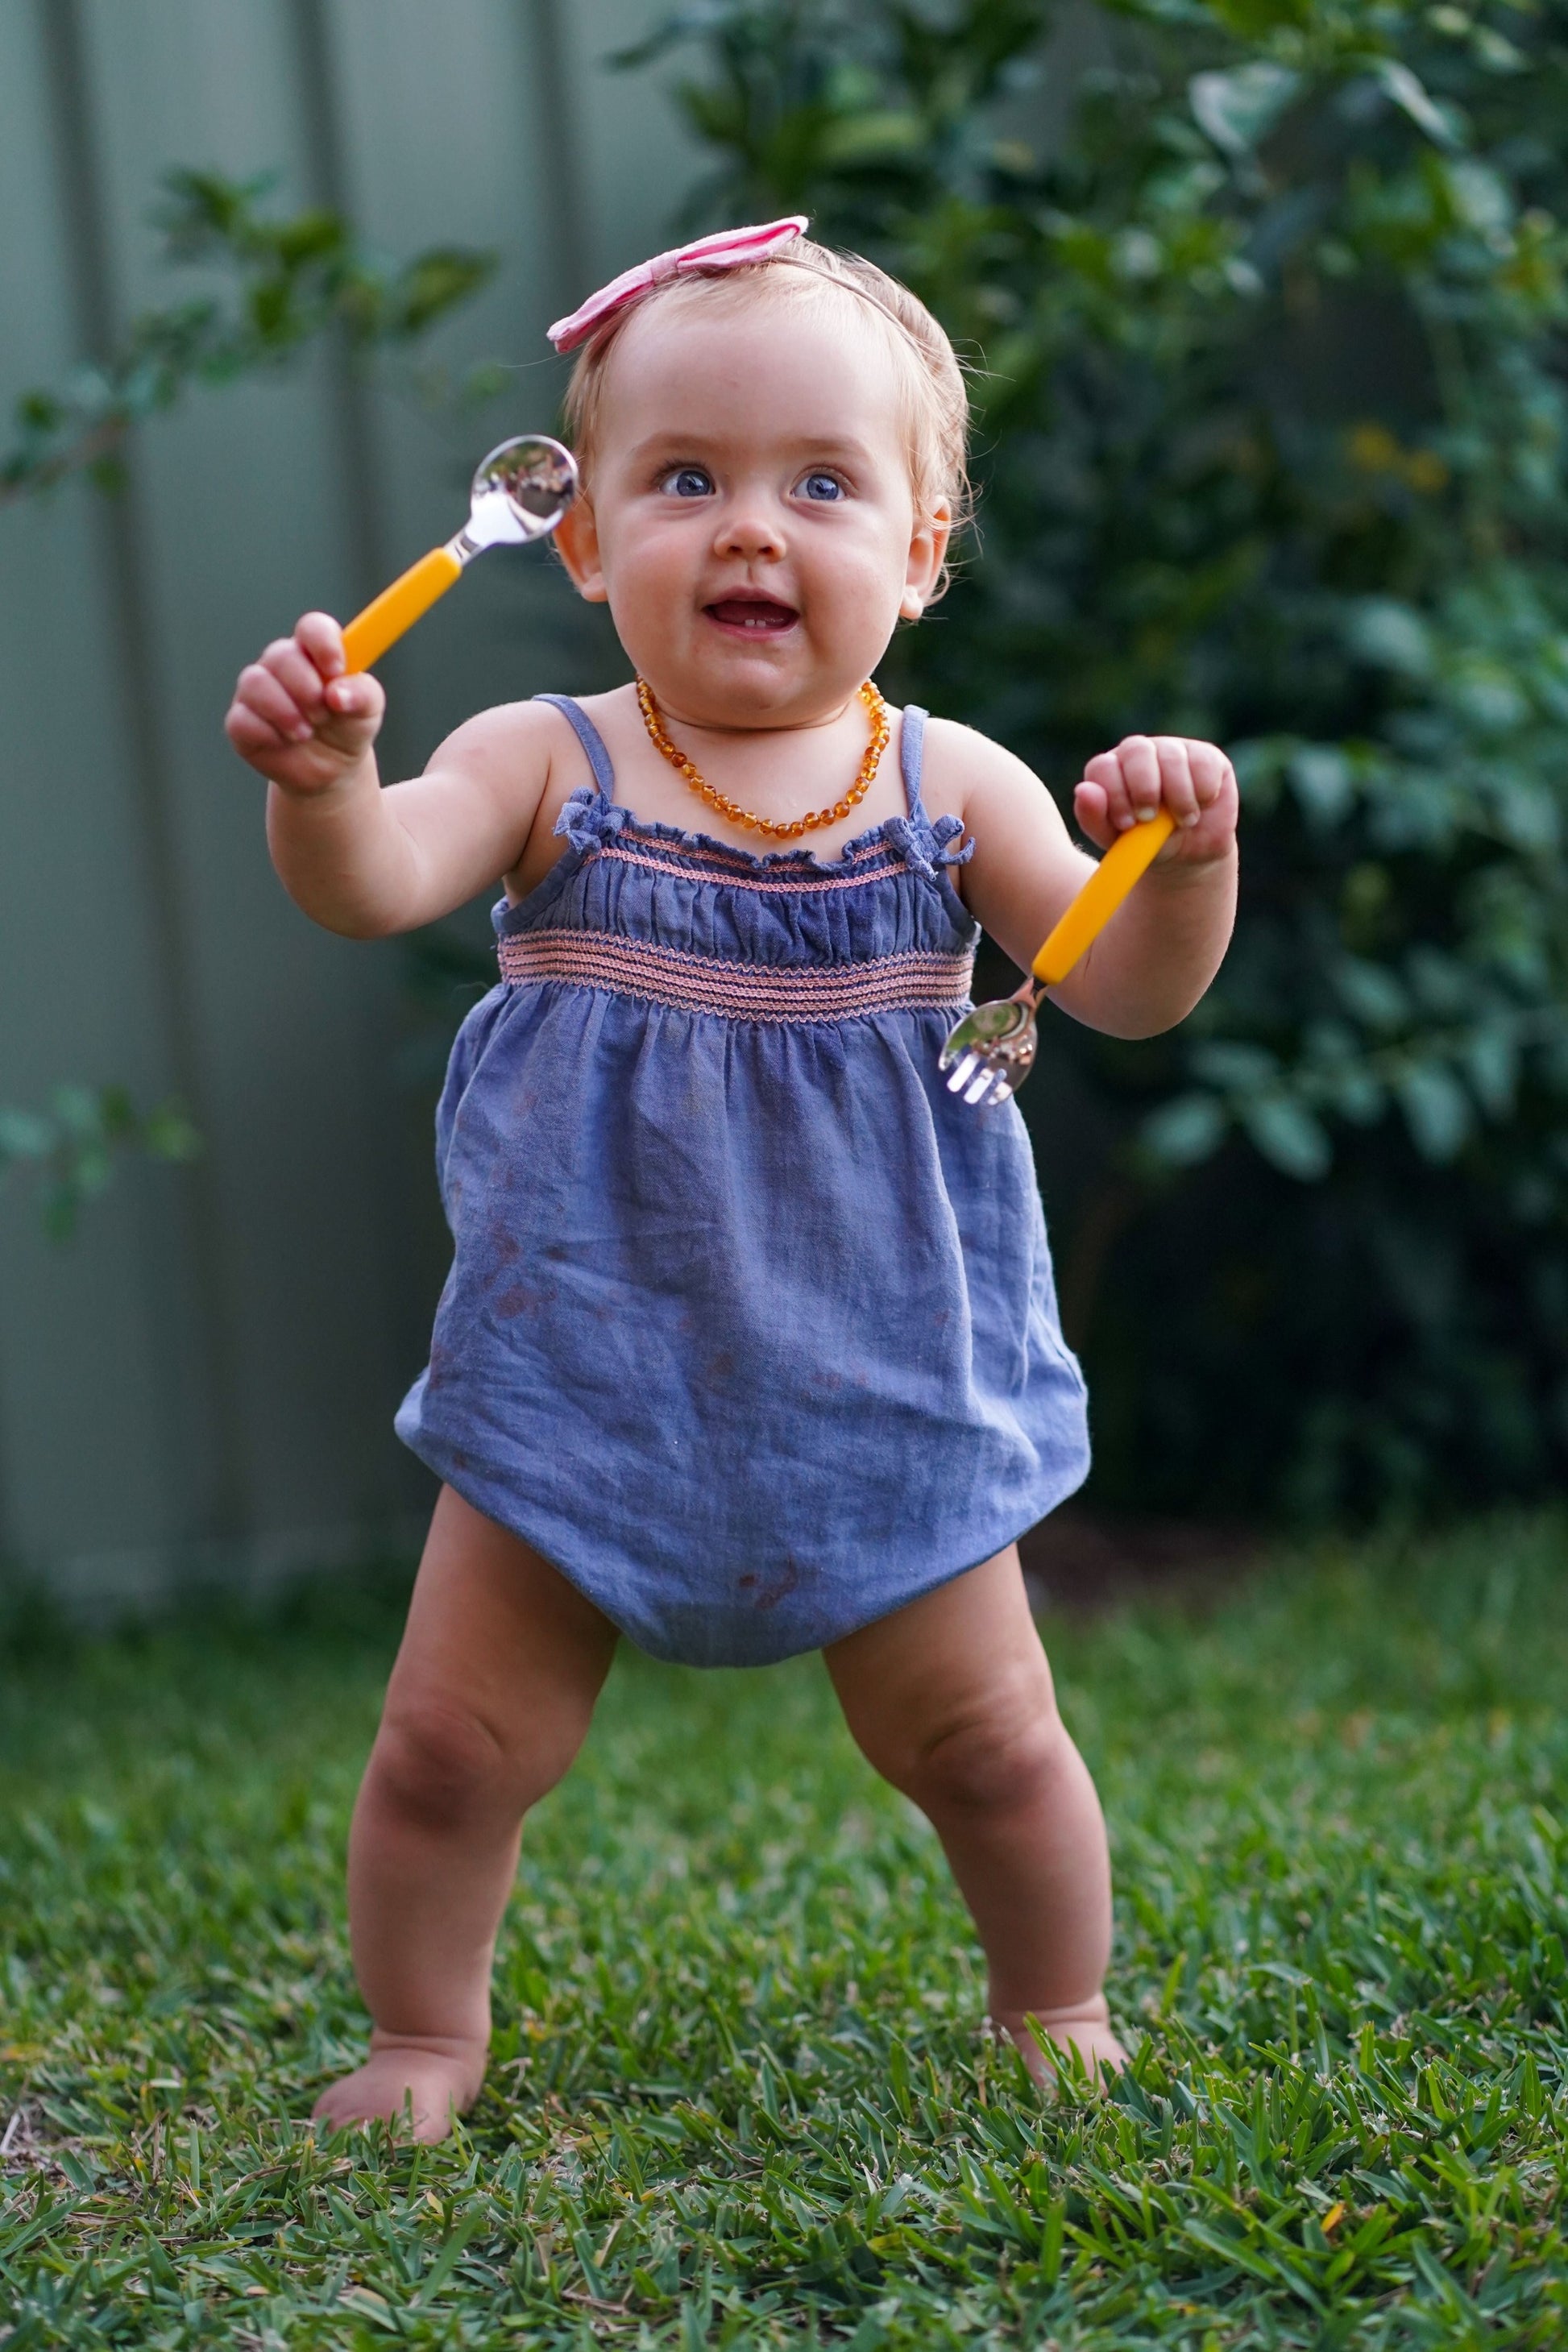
point(775, 828)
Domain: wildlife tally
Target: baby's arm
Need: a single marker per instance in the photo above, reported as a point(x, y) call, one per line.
point(362, 860)
point(1157, 956)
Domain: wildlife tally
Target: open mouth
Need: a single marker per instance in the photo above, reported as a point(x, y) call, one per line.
point(758, 617)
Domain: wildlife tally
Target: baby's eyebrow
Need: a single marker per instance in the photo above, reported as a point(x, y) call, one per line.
point(798, 449)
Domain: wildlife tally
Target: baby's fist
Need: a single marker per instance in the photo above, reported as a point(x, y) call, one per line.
point(298, 717)
point(1129, 786)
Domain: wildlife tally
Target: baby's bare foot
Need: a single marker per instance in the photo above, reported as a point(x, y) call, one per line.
point(418, 2085)
point(1085, 2030)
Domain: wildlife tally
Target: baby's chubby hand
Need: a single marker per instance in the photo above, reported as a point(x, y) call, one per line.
point(1127, 786)
point(298, 717)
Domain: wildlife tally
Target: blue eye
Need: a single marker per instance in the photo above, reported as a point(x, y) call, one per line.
point(822, 487)
point(688, 482)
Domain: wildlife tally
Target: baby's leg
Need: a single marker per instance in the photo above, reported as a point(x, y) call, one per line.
point(951, 1699)
point(488, 1702)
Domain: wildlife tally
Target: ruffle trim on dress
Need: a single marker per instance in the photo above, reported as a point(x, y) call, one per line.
point(588, 819)
point(590, 822)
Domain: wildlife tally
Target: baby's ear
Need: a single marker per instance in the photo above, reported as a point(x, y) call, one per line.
point(577, 538)
point(925, 576)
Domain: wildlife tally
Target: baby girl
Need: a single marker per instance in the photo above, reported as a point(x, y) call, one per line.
point(750, 1344)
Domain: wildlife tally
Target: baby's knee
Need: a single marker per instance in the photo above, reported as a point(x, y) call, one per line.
point(996, 1755)
point(440, 1766)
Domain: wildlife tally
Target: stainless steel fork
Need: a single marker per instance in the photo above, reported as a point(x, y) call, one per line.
point(990, 1053)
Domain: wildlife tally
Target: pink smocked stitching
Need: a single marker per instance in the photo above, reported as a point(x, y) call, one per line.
point(693, 982)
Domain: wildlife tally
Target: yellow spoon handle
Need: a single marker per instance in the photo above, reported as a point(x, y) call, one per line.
point(397, 608)
point(1129, 857)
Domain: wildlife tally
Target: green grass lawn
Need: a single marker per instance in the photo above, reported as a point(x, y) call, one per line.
point(739, 2093)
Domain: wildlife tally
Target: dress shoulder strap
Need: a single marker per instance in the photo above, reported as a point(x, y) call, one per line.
point(911, 757)
point(589, 737)
point(926, 847)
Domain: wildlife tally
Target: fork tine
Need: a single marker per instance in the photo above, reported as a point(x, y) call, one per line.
point(1005, 1081)
point(982, 1086)
point(958, 1077)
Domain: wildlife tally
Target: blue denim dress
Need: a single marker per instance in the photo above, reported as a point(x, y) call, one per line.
point(751, 1326)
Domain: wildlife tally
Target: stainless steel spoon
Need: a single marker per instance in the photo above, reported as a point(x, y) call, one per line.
point(520, 492)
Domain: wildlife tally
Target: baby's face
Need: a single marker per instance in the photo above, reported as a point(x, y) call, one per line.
point(750, 518)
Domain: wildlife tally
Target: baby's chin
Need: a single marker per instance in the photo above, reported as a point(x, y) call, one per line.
point(778, 666)
point(731, 681)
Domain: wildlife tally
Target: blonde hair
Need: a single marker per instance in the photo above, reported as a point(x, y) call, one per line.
point(936, 402)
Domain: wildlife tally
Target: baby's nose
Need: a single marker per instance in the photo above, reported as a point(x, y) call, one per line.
point(749, 527)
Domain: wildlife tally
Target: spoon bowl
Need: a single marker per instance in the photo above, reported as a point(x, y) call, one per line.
point(520, 492)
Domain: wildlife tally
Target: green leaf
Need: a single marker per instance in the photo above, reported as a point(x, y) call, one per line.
point(446, 2262)
point(1287, 1135)
point(1323, 781)
point(1492, 1060)
point(1439, 124)
point(437, 282)
point(1238, 106)
point(24, 1136)
point(873, 137)
point(1236, 1062)
point(1375, 995)
point(1437, 1110)
point(168, 1134)
point(1186, 1131)
point(1481, 196)
point(309, 236)
point(1390, 635)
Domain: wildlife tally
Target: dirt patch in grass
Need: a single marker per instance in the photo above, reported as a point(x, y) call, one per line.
point(1087, 1560)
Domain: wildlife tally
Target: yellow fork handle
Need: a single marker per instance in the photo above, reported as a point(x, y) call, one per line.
point(1129, 856)
point(397, 608)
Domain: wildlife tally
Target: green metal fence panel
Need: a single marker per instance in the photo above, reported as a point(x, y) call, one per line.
point(205, 1376)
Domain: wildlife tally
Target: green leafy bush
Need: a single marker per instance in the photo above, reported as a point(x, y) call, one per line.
point(71, 1148)
point(291, 279)
point(1272, 414)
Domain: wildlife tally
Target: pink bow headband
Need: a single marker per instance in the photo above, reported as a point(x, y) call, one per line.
point(726, 249)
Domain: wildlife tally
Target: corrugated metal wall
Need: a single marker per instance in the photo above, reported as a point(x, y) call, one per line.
point(207, 1372)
